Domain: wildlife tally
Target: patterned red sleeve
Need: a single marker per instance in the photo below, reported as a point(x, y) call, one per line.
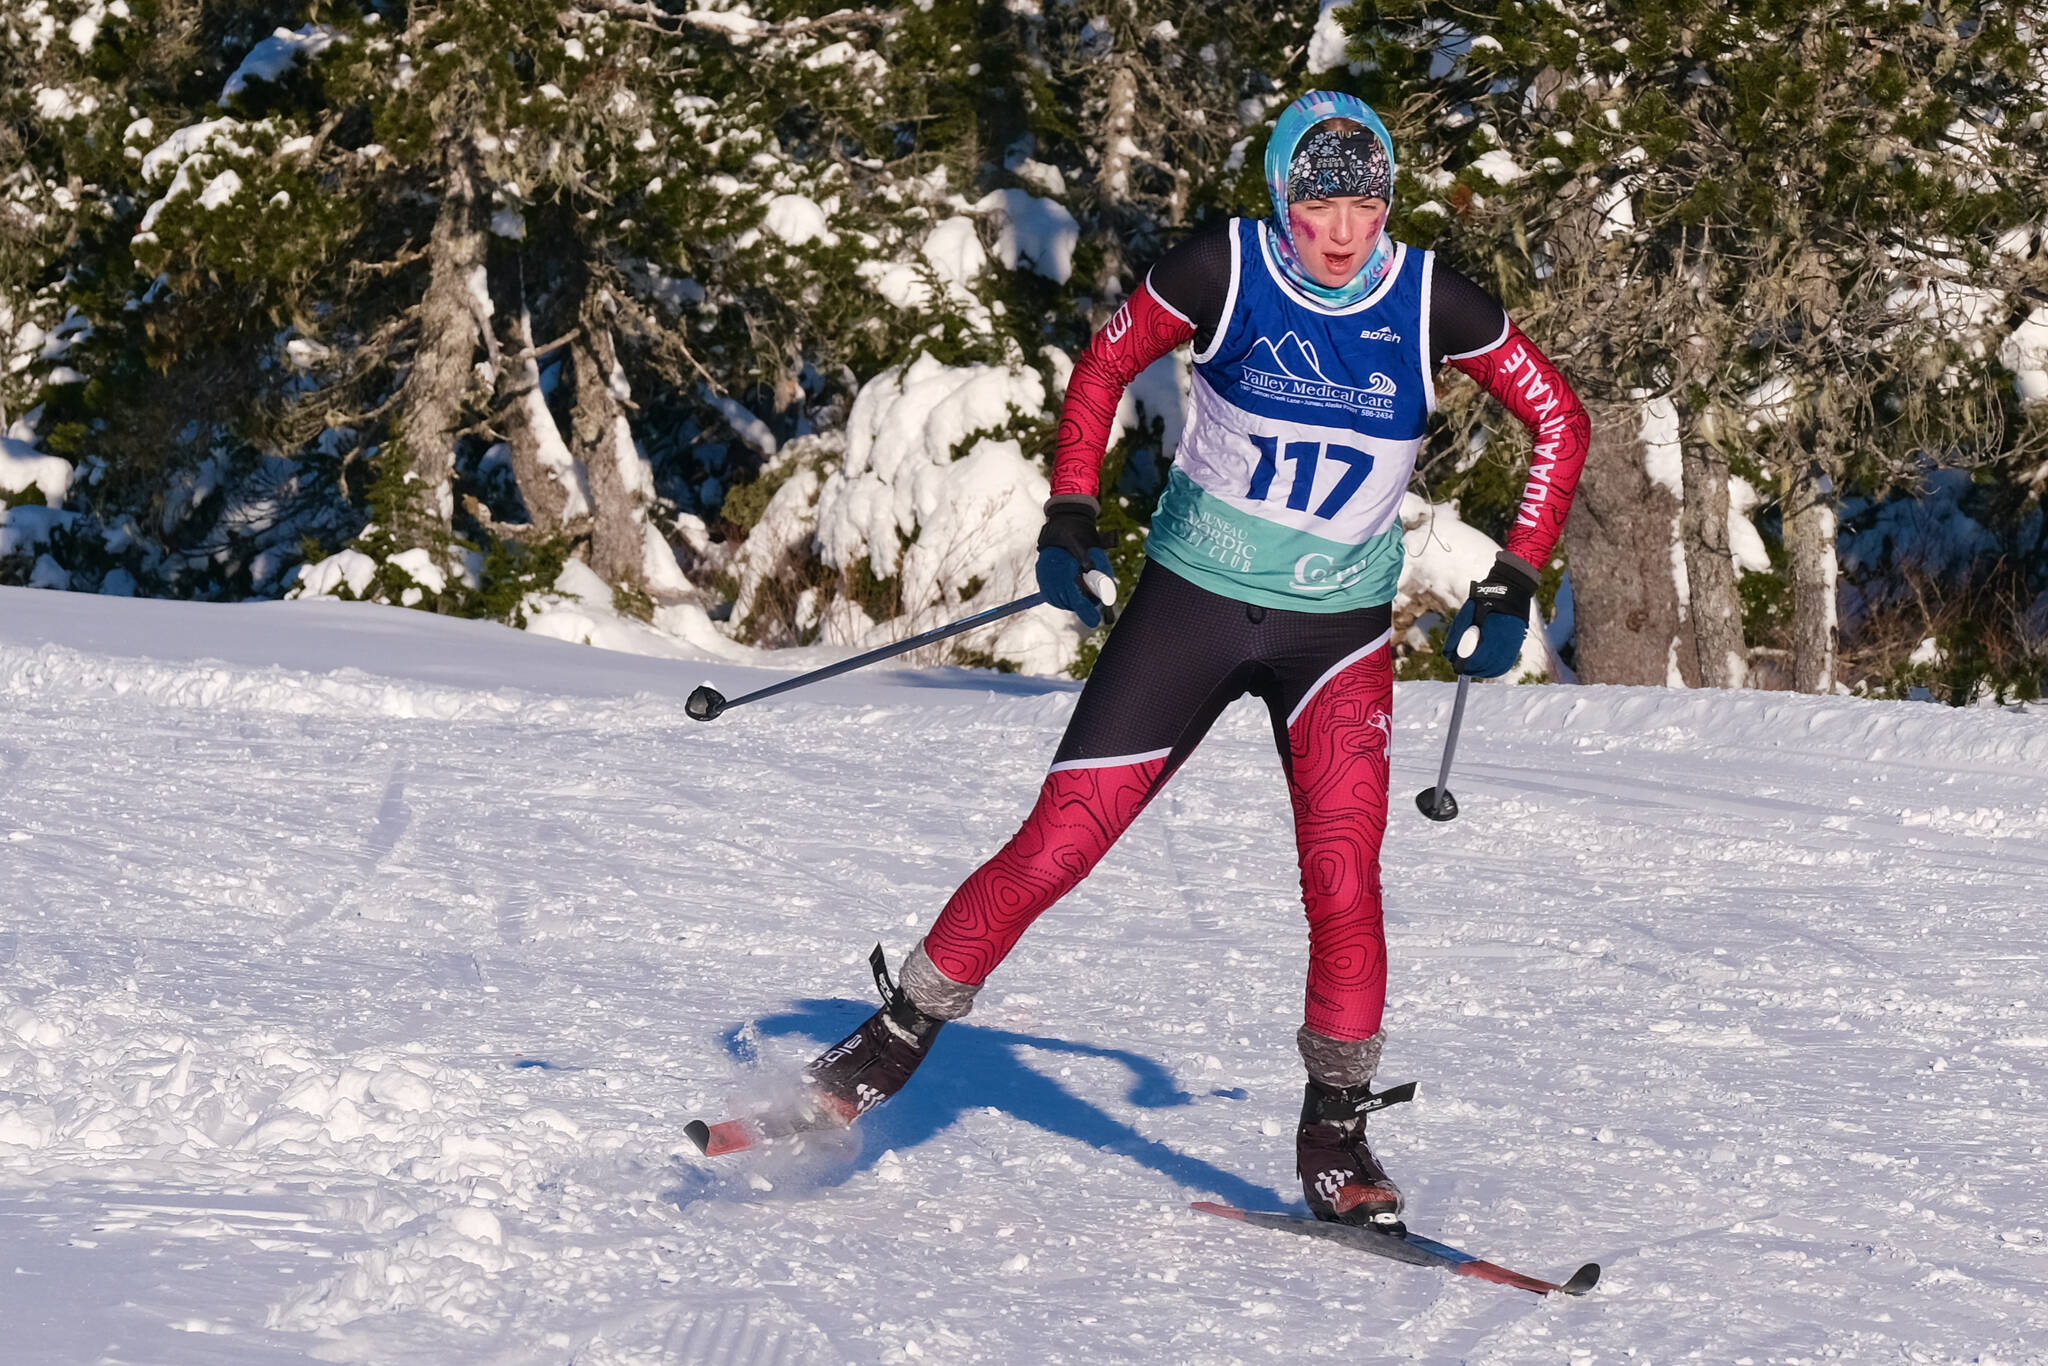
point(1140, 332)
point(1531, 388)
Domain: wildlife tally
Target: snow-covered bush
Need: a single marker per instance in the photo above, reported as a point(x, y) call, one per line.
point(926, 510)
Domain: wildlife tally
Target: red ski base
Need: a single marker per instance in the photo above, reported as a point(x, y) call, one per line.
point(1407, 1247)
point(716, 1140)
point(828, 1114)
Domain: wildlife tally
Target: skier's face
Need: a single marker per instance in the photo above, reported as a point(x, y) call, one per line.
point(1333, 237)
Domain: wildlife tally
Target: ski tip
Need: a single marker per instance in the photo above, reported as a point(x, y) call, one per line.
point(1584, 1279)
point(699, 1133)
point(1211, 1207)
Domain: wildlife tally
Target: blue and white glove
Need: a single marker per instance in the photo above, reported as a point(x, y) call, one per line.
point(1485, 638)
point(1073, 567)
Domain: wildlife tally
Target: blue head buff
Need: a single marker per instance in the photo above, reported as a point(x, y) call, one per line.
point(1296, 122)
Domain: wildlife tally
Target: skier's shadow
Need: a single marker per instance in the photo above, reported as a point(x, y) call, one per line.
point(975, 1067)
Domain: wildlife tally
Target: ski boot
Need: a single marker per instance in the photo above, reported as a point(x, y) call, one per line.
point(871, 1064)
point(1342, 1180)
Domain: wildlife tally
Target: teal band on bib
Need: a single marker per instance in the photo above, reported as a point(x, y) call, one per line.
point(1236, 555)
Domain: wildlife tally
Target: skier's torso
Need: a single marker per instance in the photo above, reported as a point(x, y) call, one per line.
point(1305, 425)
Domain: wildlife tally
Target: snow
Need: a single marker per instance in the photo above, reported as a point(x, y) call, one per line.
point(955, 252)
point(921, 461)
point(735, 22)
point(2025, 352)
point(1664, 462)
point(952, 255)
point(1039, 233)
point(270, 59)
point(1616, 207)
point(185, 156)
point(419, 566)
point(186, 143)
point(1745, 543)
point(57, 103)
point(797, 219)
point(1041, 175)
point(744, 424)
point(1498, 167)
point(1445, 556)
point(1954, 306)
point(1160, 390)
point(25, 529)
point(581, 611)
point(1327, 42)
point(304, 353)
point(362, 965)
point(350, 569)
point(786, 526)
point(220, 190)
point(22, 467)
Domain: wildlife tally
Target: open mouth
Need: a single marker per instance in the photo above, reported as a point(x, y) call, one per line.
point(1338, 260)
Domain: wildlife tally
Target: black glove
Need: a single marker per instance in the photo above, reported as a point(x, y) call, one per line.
point(1069, 546)
point(1499, 607)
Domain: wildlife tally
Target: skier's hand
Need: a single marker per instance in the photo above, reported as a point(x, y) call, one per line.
point(1485, 638)
point(1073, 567)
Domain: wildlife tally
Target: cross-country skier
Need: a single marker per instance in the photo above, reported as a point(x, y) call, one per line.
point(1273, 560)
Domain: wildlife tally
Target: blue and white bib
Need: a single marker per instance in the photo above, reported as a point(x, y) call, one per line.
point(1286, 490)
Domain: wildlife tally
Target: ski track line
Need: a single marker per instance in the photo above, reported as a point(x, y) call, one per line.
point(741, 1335)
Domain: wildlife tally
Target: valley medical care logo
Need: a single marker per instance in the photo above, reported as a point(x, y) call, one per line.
point(1297, 376)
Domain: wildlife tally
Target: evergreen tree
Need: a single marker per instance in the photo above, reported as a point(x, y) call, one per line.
point(1806, 225)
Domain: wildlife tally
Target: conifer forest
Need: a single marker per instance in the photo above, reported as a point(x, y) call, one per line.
point(620, 319)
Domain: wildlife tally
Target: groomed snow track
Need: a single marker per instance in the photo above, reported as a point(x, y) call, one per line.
point(358, 969)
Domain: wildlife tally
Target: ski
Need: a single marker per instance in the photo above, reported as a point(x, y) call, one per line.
point(841, 1084)
point(1407, 1247)
point(754, 1131)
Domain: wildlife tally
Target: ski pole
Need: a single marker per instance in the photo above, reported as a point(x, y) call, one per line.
point(707, 702)
point(1437, 803)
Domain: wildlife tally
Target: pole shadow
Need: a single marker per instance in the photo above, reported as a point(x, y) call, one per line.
point(975, 1067)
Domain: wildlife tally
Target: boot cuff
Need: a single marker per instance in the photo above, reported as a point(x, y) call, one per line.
point(1339, 1063)
point(931, 991)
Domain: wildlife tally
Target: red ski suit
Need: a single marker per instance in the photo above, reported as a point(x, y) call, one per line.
point(1181, 653)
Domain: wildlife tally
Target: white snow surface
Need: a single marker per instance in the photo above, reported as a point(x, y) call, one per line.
point(22, 466)
point(1327, 43)
point(2025, 352)
point(1499, 167)
point(270, 59)
point(797, 219)
point(922, 460)
point(359, 967)
point(1036, 233)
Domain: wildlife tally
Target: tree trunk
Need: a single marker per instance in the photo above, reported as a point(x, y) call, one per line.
point(626, 549)
point(1810, 546)
point(1624, 594)
point(1113, 185)
point(453, 318)
point(1714, 606)
point(551, 483)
